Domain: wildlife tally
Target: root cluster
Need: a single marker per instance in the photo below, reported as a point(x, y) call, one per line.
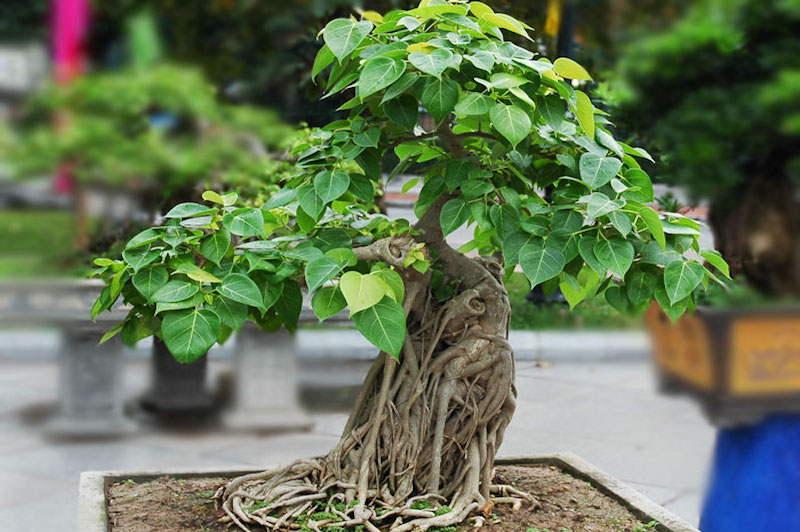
point(419, 447)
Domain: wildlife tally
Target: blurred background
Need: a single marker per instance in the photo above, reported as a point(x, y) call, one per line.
point(112, 112)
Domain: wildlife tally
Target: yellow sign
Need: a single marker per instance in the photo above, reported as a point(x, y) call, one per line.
point(682, 349)
point(766, 355)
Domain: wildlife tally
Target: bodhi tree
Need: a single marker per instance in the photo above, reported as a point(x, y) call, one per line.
point(434, 406)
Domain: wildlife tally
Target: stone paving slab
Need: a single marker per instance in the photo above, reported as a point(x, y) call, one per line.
point(608, 413)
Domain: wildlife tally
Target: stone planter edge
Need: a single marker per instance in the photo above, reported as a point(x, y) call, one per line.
point(93, 516)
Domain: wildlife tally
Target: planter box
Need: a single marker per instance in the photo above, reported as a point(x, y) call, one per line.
point(92, 502)
point(741, 365)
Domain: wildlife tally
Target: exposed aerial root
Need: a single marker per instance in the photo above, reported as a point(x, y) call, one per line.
point(418, 450)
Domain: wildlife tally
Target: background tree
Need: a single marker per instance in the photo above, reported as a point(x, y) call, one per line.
point(719, 96)
point(159, 135)
point(418, 449)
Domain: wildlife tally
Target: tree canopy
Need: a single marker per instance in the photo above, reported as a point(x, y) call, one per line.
point(508, 126)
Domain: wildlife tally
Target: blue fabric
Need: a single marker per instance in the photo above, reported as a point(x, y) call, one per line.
point(755, 479)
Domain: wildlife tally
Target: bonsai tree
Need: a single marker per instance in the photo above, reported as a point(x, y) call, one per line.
point(727, 126)
point(418, 449)
point(156, 134)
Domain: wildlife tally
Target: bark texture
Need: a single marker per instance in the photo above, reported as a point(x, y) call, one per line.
point(426, 427)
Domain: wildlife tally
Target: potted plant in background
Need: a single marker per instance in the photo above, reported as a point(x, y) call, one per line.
point(686, 92)
point(419, 447)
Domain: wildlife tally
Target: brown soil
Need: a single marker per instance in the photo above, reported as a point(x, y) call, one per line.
point(567, 504)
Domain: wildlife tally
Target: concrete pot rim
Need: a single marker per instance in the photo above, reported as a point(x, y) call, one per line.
point(93, 516)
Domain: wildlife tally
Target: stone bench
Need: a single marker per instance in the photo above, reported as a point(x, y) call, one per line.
point(91, 395)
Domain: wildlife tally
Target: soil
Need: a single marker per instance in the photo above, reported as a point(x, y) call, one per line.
point(566, 504)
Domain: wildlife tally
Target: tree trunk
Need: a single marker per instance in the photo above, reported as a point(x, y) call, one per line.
point(426, 427)
point(759, 236)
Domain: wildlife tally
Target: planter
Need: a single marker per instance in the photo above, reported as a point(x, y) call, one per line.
point(177, 388)
point(93, 500)
point(741, 365)
point(267, 393)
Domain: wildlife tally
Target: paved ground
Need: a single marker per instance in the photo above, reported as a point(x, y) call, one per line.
point(608, 412)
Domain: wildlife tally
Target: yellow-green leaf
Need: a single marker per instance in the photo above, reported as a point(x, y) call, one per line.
point(564, 66)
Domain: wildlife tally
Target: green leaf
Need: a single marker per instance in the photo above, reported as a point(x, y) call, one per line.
point(586, 249)
point(482, 60)
point(587, 279)
point(384, 325)
point(553, 110)
point(396, 286)
point(188, 210)
point(654, 254)
point(271, 290)
point(175, 290)
point(361, 291)
point(343, 35)
point(323, 59)
point(540, 262)
point(241, 288)
point(195, 272)
point(150, 280)
point(216, 245)
point(674, 311)
point(599, 204)
point(651, 221)
point(639, 178)
point(139, 258)
point(290, 304)
point(513, 244)
point(368, 138)
point(715, 259)
point(681, 278)
point(621, 222)
point(617, 298)
point(111, 333)
point(189, 334)
point(281, 198)
point(454, 214)
point(321, 270)
point(310, 201)
point(403, 111)
point(440, 96)
point(191, 302)
point(327, 302)
point(640, 285)
point(329, 239)
point(378, 73)
point(433, 63)
point(231, 313)
point(331, 185)
point(597, 170)
point(245, 222)
point(584, 112)
point(511, 122)
point(566, 67)
point(473, 104)
point(148, 236)
point(405, 82)
point(615, 254)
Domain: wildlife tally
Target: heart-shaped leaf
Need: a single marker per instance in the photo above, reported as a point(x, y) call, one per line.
point(241, 288)
point(511, 122)
point(330, 185)
point(378, 73)
point(540, 262)
point(433, 63)
point(681, 277)
point(175, 290)
point(343, 35)
point(597, 170)
point(150, 280)
point(615, 254)
point(327, 302)
point(361, 291)
point(321, 270)
point(189, 334)
point(383, 324)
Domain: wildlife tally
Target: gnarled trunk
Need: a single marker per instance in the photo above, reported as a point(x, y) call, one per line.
point(424, 427)
point(759, 236)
